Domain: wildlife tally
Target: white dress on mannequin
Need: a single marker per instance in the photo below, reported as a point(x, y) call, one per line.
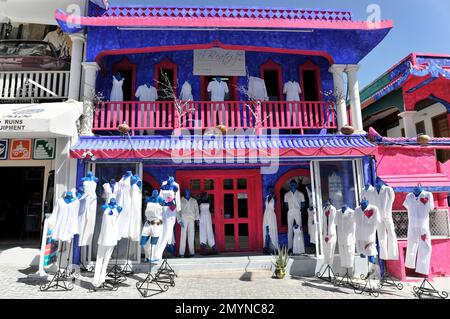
point(329, 234)
point(270, 219)
point(125, 201)
point(257, 89)
point(136, 213)
point(386, 230)
point(346, 228)
point(87, 225)
point(110, 192)
point(366, 229)
point(298, 245)
point(186, 92)
point(206, 229)
point(117, 90)
point(153, 212)
point(65, 220)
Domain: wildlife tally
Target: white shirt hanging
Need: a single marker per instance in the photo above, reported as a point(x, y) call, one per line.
point(367, 222)
point(146, 94)
point(109, 232)
point(292, 91)
point(257, 89)
point(64, 219)
point(117, 90)
point(386, 199)
point(189, 210)
point(419, 209)
point(218, 90)
point(294, 200)
point(186, 92)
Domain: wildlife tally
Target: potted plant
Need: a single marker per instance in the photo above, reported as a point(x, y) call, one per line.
point(280, 263)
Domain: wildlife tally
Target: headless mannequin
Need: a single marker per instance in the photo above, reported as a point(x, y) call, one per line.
point(206, 230)
point(90, 177)
point(187, 218)
point(118, 77)
point(270, 229)
point(87, 221)
point(364, 203)
point(153, 226)
point(294, 202)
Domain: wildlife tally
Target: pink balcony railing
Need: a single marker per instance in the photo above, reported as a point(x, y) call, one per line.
point(162, 115)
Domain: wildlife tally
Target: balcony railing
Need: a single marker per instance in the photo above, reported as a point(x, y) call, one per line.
point(162, 115)
point(14, 85)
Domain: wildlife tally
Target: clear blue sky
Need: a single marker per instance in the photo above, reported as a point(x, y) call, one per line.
point(419, 25)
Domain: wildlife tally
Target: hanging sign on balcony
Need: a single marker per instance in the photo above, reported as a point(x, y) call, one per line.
point(218, 61)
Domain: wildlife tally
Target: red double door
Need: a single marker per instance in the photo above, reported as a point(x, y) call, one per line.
point(235, 203)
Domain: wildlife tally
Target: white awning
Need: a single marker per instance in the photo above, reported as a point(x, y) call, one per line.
point(39, 11)
point(40, 120)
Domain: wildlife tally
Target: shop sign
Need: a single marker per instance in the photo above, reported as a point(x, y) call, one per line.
point(218, 61)
point(44, 149)
point(18, 119)
point(20, 149)
point(3, 149)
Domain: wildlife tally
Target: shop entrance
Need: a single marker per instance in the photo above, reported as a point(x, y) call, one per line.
point(235, 204)
point(21, 195)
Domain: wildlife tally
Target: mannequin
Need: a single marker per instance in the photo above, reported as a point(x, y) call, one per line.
point(369, 193)
point(270, 221)
point(257, 89)
point(292, 90)
point(136, 216)
point(64, 218)
point(186, 92)
point(367, 219)
point(146, 93)
point(295, 201)
point(187, 217)
point(117, 90)
point(110, 190)
point(346, 229)
point(312, 218)
point(419, 203)
point(127, 220)
point(87, 219)
point(298, 246)
point(170, 192)
point(386, 232)
point(153, 225)
point(206, 229)
point(218, 90)
point(107, 240)
point(329, 232)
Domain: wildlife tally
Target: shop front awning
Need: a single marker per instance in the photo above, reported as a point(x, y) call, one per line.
point(39, 120)
point(210, 147)
point(436, 182)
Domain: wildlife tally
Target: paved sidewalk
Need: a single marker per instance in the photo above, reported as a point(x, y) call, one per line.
point(213, 285)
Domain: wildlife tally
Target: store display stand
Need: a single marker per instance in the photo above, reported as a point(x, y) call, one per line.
point(422, 292)
point(151, 280)
point(387, 280)
point(59, 279)
point(115, 273)
point(347, 281)
point(368, 287)
point(127, 269)
point(165, 274)
point(330, 277)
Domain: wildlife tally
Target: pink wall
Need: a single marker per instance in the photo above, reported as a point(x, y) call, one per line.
point(404, 161)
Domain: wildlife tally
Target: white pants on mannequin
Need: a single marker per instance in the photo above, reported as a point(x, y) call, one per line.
point(187, 232)
point(347, 254)
point(101, 265)
point(169, 219)
point(206, 229)
point(387, 239)
point(419, 247)
point(292, 217)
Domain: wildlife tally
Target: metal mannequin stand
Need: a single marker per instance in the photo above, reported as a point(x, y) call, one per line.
point(347, 281)
point(115, 273)
point(127, 269)
point(165, 274)
point(151, 280)
point(387, 280)
point(368, 287)
point(59, 280)
point(331, 277)
point(422, 292)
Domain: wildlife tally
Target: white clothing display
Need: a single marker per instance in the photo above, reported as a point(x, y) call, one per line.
point(109, 231)
point(270, 219)
point(419, 235)
point(329, 234)
point(218, 90)
point(65, 219)
point(294, 201)
point(146, 93)
point(257, 89)
point(188, 215)
point(186, 92)
point(177, 195)
point(386, 230)
point(153, 213)
point(101, 264)
point(335, 189)
point(117, 90)
point(206, 229)
point(366, 227)
point(136, 213)
point(110, 192)
point(312, 225)
point(292, 91)
point(346, 235)
point(125, 200)
point(298, 245)
point(169, 215)
point(370, 195)
point(87, 221)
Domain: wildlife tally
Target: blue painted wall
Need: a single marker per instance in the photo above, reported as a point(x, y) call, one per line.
point(145, 67)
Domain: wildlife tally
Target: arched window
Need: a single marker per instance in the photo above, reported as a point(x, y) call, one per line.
point(128, 72)
point(310, 82)
point(171, 70)
point(271, 72)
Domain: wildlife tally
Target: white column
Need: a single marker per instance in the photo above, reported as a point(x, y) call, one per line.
point(78, 40)
point(90, 77)
point(62, 167)
point(339, 93)
point(355, 101)
point(409, 123)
